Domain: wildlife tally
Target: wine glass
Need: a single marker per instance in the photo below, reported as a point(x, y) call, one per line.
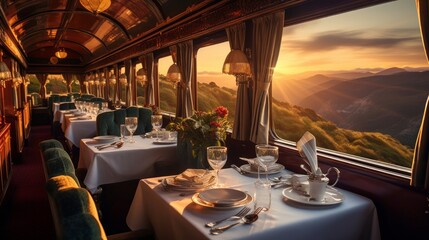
point(131, 124)
point(217, 156)
point(156, 123)
point(266, 155)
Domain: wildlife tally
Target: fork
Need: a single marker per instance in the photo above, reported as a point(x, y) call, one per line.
point(237, 216)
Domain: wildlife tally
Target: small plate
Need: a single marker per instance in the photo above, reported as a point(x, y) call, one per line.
point(332, 197)
point(161, 142)
point(276, 168)
point(222, 196)
point(196, 199)
point(105, 139)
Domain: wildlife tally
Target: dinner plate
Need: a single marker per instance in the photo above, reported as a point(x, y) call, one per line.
point(161, 142)
point(276, 168)
point(105, 139)
point(83, 118)
point(332, 197)
point(196, 199)
point(222, 196)
point(170, 183)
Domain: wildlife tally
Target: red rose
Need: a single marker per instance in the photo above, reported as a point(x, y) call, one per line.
point(214, 124)
point(221, 111)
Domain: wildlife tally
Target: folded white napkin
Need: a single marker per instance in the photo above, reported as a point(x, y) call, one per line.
point(307, 149)
point(253, 162)
point(192, 177)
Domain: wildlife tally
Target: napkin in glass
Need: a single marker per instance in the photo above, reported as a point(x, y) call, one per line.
point(254, 162)
point(195, 177)
point(307, 149)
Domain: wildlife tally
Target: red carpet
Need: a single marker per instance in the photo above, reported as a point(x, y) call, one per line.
point(25, 213)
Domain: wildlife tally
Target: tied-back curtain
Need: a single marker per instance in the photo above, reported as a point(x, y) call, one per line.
point(267, 36)
point(148, 65)
point(81, 79)
point(422, 7)
point(42, 80)
point(185, 62)
point(130, 78)
point(236, 37)
point(68, 78)
point(420, 166)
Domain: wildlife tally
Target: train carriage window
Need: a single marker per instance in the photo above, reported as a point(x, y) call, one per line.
point(215, 88)
point(167, 91)
point(56, 84)
point(357, 81)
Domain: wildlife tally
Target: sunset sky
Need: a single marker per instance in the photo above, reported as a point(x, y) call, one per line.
point(372, 39)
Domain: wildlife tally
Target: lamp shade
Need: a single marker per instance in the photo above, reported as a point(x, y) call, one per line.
point(236, 64)
point(4, 71)
point(141, 75)
point(61, 53)
point(95, 6)
point(173, 73)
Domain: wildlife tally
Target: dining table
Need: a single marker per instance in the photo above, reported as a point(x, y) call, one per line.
point(172, 215)
point(129, 162)
point(79, 127)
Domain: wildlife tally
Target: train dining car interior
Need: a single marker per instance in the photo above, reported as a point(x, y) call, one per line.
point(214, 119)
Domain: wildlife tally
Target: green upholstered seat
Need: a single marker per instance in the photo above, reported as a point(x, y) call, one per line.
point(67, 106)
point(60, 166)
point(50, 143)
point(59, 183)
point(86, 96)
point(53, 99)
point(52, 153)
point(82, 226)
point(108, 123)
point(65, 98)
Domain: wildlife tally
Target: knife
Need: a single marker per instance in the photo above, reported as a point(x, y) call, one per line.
point(237, 169)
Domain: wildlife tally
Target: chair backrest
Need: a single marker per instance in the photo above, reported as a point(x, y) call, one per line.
point(86, 96)
point(108, 123)
point(67, 106)
point(65, 98)
point(35, 97)
point(53, 99)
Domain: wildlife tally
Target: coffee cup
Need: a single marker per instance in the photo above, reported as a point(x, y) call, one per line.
point(300, 183)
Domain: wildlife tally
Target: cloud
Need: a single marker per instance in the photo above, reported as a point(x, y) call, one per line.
point(333, 40)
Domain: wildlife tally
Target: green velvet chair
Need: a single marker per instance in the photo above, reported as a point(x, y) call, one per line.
point(65, 99)
point(50, 143)
point(67, 106)
point(108, 123)
point(86, 97)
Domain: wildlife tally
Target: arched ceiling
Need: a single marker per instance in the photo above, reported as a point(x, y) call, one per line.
point(41, 27)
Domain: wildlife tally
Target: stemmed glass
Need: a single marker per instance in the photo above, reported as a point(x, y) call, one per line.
point(131, 124)
point(267, 155)
point(217, 156)
point(156, 123)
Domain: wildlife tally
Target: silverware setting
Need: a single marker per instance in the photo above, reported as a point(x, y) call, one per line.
point(247, 219)
point(237, 216)
point(236, 168)
point(114, 144)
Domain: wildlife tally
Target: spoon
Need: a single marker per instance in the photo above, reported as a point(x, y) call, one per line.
point(248, 219)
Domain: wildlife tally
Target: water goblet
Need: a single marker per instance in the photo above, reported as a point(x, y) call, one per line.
point(267, 155)
point(131, 124)
point(217, 156)
point(156, 123)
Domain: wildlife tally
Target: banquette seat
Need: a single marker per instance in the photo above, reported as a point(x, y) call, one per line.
point(108, 123)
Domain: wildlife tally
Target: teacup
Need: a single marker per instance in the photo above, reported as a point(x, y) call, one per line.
point(319, 183)
point(300, 183)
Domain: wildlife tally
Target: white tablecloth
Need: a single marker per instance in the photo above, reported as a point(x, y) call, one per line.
point(132, 161)
point(175, 217)
point(75, 130)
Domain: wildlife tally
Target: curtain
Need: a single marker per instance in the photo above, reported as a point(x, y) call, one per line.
point(423, 13)
point(185, 62)
point(68, 77)
point(42, 80)
point(117, 84)
point(420, 166)
point(148, 65)
point(236, 37)
point(267, 36)
point(130, 78)
point(81, 79)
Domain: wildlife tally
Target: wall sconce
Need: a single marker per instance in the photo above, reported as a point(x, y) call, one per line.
point(141, 76)
point(237, 64)
point(17, 80)
point(112, 79)
point(5, 73)
point(123, 79)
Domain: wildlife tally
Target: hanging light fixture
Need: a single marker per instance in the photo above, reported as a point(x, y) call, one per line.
point(53, 60)
point(4, 70)
point(61, 53)
point(236, 64)
point(123, 79)
point(141, 76)
point(173, 74)
point(95, 6)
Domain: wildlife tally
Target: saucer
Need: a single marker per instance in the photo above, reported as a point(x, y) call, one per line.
point(332, 197)
point(197, 200)
point(275, 168)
